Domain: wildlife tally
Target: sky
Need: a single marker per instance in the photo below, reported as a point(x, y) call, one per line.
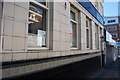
point(110, 7)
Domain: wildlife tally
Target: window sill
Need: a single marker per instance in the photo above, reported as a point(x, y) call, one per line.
point(37, 49)
point(74, 48)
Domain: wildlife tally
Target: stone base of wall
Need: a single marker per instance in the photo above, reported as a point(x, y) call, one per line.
point(22, 67)
point(17, 56)
point(74, 70)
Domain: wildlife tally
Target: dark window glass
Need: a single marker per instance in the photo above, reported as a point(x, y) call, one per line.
point(111, 21)
point(86, 23)
point(72, 15)
point(114, 35)
point(87, 37)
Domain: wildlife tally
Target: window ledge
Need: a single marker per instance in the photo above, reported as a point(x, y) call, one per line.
point(37, 49)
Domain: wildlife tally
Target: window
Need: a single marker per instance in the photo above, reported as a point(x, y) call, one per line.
point(41, 1)
point(111, 21)
point(96, 5)
point(103, 22)
point(37, 30)
point(88, 25)
point(73, 27)
point(114, 35)
point(112, 28)
point(72, 15)
point(105, 28)
point(87, 37)
point(96, 37)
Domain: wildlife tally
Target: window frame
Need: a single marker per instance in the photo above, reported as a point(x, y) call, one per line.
point(75, 22)
point(45, 7)
point(112, 21)
point(88, 36)
point(112, 28)
point(97, 37)
point(114, 34)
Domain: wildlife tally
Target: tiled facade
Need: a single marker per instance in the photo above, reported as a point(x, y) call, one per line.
point(14, 36)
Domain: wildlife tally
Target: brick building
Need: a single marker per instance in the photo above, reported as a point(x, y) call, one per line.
point(113, 27)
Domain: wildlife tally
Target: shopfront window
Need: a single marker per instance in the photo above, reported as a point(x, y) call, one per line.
point(73, 27)
point(37, 32)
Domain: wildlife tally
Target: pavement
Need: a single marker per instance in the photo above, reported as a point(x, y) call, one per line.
point(110, 71)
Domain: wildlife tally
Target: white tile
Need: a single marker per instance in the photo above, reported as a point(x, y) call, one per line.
point(7, 57)
point(18, 44)
point(19, 56)
point(67, 37)
point(21, 13)
point(19, 29)
point(57, 25)
point(7, 43)
point(57, 15)
point(32, 55)
point(63, 27)
point(62, 36)
point(56, 46)
point(43, 55)
point(56, 35)
point(23, 4)
point(8, 9)
point(8, 27)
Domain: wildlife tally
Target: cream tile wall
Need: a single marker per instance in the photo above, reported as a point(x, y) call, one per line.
point(16, 27)
point(15, 20)
point(15, 37)
point(9, 9)
point(61, 36)
point(93, 37)
point(83, 31)
point(7, 43)
point(1, 8)
point(8, 26)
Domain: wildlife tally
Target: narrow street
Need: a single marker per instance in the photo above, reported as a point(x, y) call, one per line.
point(111, 71)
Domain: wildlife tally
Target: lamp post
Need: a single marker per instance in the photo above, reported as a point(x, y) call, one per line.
point(118, 45)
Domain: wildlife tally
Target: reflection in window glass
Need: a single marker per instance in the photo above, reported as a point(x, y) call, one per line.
point(41, 1)
point(37, 27)
point(73, 34)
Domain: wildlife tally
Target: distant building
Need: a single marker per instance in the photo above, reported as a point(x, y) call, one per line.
point(111, 24)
